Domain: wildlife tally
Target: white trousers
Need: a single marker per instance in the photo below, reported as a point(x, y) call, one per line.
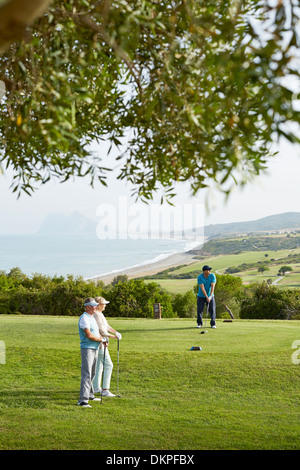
point(108, 367)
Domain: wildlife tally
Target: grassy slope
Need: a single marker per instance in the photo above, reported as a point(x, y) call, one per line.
point(221, 262)
point(239, 392)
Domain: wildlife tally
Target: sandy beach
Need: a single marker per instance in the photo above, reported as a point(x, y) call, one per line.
point(152, 268)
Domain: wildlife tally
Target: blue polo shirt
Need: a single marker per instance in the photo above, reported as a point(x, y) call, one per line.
point(88, 321)
point(207, 283)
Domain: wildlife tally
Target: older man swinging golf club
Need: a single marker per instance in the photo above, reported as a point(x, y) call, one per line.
point(206, 286)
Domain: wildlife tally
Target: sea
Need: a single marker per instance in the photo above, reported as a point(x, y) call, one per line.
point(83, 255)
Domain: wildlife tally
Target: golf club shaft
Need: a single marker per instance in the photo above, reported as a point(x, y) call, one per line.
point(118, 362)
point(103, 367)
point(204, 330)
point(206, 313)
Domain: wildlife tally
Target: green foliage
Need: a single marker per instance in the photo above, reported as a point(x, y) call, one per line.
point(185, 305)
point(200, 85)
point(263, 268)
point(269, 302)
point(250, 243)
point(52, 297)
point(43, 295)
point(135, 298)
point(229, 291)
point(285, 269)
point(295, 258)
point(119, 278)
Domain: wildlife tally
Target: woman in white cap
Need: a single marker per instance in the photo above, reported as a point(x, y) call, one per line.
point(105, 331)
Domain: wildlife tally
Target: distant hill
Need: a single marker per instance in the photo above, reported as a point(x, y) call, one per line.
point(78, 223)
point(74, 223)
point(271, 223)
point(224, 246)
point(285, 221)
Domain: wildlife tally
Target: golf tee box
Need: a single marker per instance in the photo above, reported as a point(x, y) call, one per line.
point(196, 348)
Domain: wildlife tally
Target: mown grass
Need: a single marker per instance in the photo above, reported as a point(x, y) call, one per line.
point(225, 261)
point(239, 392)
point(221, 262)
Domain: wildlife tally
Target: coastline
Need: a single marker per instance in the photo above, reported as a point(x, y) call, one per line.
point(171, 261)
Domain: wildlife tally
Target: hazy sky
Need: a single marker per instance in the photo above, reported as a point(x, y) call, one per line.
point(276, 192)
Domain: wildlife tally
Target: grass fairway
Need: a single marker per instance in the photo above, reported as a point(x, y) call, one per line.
point(240, 392)
point(221, 262)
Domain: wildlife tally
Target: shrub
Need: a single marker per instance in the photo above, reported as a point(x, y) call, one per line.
point(185, 305)
point(135, 298)
point(285, 269)
point(43, 295)
point(270, 302)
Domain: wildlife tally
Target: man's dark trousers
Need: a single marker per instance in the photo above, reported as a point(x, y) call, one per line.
point(201, 302)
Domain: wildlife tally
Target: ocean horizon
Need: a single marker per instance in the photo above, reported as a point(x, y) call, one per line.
point(83, 254)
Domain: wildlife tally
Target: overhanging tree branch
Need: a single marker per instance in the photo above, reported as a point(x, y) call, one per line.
point(208, 97)
point(15, 16)
point(84, 19)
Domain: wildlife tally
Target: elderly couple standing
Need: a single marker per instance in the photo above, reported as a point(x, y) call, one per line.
point(94, 334)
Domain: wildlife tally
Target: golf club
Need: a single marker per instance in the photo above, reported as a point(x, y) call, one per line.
point(118, 395)
point(205, 330)
point(103, 370)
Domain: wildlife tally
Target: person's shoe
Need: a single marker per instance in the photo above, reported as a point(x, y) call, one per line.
point(95, 399)
point(107, 393)
point(199, 326)
point(97, 390)
point(214, 326)
point(84, 404)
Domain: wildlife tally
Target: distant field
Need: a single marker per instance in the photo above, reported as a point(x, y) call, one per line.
point(179, 286)
point(222, 262)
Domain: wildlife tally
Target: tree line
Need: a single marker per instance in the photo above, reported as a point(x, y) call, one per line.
point(45, 295)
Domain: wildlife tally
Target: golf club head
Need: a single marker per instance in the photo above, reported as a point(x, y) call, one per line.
point(203, 332)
